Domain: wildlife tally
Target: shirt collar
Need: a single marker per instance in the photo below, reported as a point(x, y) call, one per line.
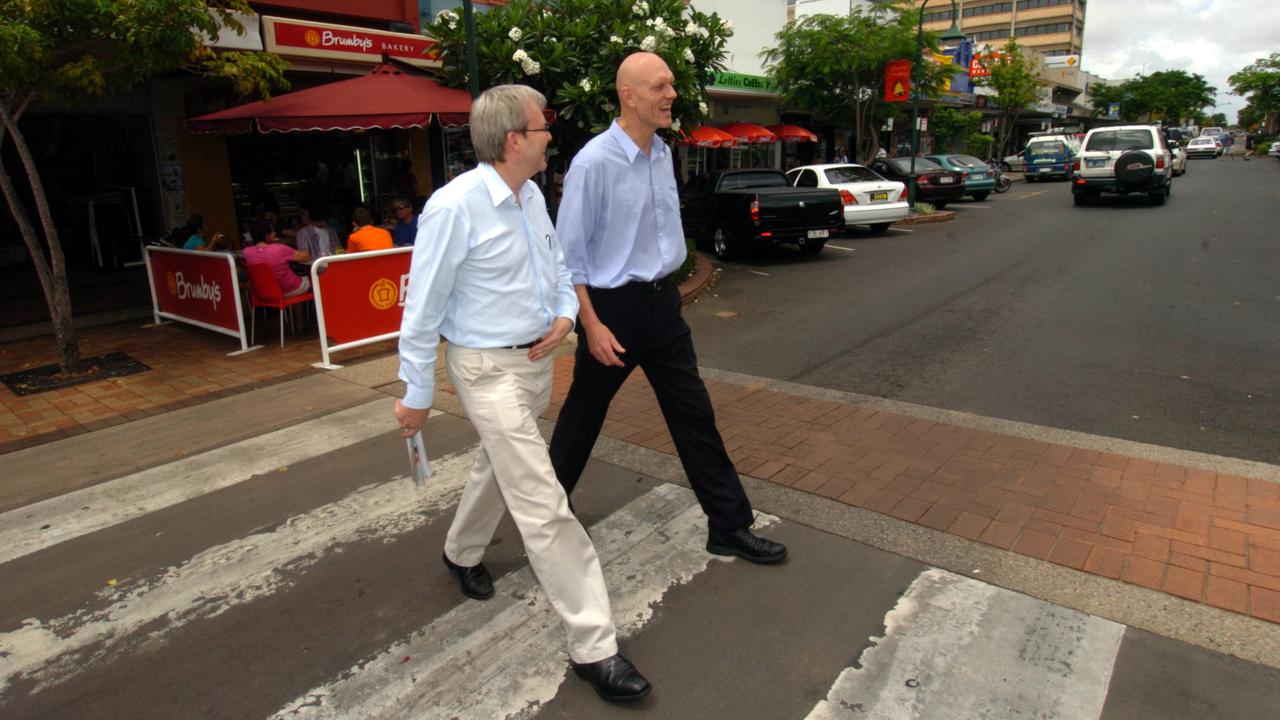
point(629, 146)
point(498, 189)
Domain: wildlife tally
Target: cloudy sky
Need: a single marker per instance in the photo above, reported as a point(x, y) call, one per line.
point(1213, 38)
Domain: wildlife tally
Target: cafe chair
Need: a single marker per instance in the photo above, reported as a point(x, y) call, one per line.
point(264, 291)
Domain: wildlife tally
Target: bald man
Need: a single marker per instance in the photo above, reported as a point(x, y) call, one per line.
point(619, 224)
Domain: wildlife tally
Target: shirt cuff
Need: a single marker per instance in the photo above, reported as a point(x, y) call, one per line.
point(418, 398)
point(577, 278)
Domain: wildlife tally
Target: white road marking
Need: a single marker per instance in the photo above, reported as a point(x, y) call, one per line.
point(225, 576)
point(840, 247)
point(504, 657)
point(958, 648)
point(898, 229)
point(739, 267)
point(971, 205)
point(44, 524)
point(1024, 195)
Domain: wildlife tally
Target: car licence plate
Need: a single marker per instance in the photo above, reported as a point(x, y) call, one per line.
point(879, 197)
point(946, 180)
point(815, 234)
point(1044, 169)
point(1095, 163)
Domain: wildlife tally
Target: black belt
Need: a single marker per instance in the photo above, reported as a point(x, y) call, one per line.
point(652, 285)
point(525, 346)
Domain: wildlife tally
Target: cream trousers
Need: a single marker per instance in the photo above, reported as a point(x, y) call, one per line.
point(503, 394)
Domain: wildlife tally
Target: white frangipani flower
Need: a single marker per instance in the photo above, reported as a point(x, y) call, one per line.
point(702, 108)
point(688, 54)
point(520, 56)
point(640, 8)
point(585, 84)
point(675, 125)
point(448, 17)
point(728, 26)
point(649, 43)
point(515, 34)
point(615, 39)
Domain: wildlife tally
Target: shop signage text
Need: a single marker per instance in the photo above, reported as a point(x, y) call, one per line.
point(301, 38)
point(196, 287)
point(744, 82)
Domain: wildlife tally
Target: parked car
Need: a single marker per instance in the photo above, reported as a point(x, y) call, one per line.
point(1204, 146)
point(1275, 150)
point(978, 179)
point(1123, 159)
point(868, 198)
point(734, 210)
point(1212, 131)
point(934, 184)
point(1050, 156)
point(1179, 159)
point(1014, 163)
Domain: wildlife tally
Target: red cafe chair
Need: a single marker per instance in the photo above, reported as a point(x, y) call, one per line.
point(264, 291)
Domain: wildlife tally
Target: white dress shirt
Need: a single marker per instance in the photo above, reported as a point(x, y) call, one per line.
point(487, 273)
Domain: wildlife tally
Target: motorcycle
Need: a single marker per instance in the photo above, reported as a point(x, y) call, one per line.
point(1003, 183)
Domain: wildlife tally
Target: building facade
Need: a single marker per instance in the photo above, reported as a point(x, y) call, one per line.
point(1050, 27)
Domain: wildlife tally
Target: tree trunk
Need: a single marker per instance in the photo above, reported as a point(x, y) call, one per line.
point(53, 273)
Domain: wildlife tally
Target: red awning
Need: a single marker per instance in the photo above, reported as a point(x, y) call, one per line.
point(705, 136)
point(792, 133)
point(749, 133)
point(388, 97)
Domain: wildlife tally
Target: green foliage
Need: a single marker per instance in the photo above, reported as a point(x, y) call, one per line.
point(980, 144)
point(72, 50)
point(570, 50)
point(951, 128)
point(1260, 81)
point(1173, 96)
point(1218, 119)
point(1017, 84)
point(833, 66)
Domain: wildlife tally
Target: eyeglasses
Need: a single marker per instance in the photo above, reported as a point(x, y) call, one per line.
point(546, 129)
point(402, 207)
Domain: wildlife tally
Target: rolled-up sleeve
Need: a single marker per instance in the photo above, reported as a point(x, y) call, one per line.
point(432, 273)
point(566, 298)
point(575, 220)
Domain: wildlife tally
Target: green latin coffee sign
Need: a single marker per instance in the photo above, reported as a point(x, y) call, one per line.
point(738, 81)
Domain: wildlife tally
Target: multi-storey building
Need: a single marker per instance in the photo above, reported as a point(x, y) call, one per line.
point(1051, 27)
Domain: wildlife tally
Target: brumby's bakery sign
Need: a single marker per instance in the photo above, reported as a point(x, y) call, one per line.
point(305, 39)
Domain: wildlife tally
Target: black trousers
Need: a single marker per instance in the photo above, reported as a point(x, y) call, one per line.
point(645, 317)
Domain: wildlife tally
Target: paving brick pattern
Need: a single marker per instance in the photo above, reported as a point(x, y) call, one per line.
point(188, 366)
point(1196, 534)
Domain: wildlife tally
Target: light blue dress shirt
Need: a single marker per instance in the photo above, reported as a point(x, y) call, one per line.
point(489, 273)
point(619, 219)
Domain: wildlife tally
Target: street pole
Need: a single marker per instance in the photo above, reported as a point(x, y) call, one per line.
point(915, 108)
point(473, 66)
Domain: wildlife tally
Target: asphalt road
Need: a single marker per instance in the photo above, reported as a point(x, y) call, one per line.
point(1154, 324)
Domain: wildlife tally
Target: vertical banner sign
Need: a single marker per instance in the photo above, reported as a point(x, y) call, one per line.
point(198, 288)
point(359, 298)
point(897, 81)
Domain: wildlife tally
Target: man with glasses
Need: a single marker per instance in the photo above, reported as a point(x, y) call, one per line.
point(492, 279)
point(405, 230)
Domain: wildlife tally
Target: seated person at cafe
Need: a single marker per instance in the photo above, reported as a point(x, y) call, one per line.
point(315, 237)
point(405, 230)
point(367, 236)
point(265, 250)
point(200, 239)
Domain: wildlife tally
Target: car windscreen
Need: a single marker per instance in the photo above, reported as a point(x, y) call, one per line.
point(1054, 147)
point(1107, 140)
point(850, 174)
point(1202, 141)
point(903, 165)
point(752, 179)
point(967, 161)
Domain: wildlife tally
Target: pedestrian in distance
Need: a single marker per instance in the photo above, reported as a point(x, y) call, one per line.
point(620, 226)
point(493, 280)
point(1228, 144)
point(1248, 146)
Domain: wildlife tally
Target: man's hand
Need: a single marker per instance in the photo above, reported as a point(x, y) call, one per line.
point(603, 345)
point(549, 342)
point(410, 420)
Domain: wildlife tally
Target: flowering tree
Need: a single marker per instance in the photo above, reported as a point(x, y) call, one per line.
point(570, 51)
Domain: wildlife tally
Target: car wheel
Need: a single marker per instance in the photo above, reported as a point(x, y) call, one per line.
point(722, 243)
point(879, 228)
point(1004, 167)
point(1031, 178)
point(941, 204)
point(811, 247)
point(1080, 199)
point(1156, 197)
point(980, 196)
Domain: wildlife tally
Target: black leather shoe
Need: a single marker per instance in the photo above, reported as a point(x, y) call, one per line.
point(746, 546)
point(614, 678)
point(475, 581)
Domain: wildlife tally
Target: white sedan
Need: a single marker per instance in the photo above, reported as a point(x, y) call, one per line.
point(1179, 159)
point(868, 198)
point(1204, 146)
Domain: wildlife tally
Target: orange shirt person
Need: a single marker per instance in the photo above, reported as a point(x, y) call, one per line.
point(367, 236)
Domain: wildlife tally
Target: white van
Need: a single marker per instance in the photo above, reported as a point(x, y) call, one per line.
point(1212, 131)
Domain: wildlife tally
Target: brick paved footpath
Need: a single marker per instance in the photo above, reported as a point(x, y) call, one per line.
point(1204, 536)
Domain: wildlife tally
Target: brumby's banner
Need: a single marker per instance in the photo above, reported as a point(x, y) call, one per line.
point(359, 298)
point(306, 39)
point(198, 288)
